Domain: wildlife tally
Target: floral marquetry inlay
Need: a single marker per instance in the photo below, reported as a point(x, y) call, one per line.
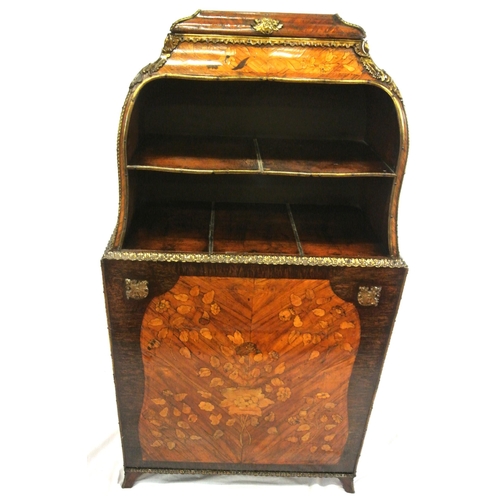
point(244, 370)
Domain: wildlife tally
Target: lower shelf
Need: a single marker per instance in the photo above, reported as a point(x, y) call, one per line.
point(243, 228)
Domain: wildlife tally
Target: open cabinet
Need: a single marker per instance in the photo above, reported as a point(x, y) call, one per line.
point(254, 275)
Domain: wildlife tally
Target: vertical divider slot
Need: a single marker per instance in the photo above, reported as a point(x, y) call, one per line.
point(211, 230)
point(294, 229)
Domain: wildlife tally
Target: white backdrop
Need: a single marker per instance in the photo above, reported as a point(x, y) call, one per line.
point(65, 72)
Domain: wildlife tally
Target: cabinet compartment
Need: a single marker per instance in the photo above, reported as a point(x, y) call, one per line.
point(264, 127)
point(286, 215)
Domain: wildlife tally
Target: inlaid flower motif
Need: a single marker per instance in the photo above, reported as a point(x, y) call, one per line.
point(243, 401)
point(283, 393)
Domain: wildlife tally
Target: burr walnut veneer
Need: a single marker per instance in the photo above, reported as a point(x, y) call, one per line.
point(254, 276)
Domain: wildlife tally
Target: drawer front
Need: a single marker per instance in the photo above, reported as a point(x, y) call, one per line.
point(247, 367)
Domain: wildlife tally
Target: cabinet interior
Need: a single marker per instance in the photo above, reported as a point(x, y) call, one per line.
point(261, 167)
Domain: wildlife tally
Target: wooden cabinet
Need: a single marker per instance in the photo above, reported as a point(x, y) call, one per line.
point(254, 275)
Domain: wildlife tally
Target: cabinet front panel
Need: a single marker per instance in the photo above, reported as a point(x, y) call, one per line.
point(232, 368)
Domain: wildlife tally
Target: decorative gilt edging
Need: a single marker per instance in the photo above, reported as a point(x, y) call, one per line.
point(169, 46)
point(142, 470)
point(275, 260)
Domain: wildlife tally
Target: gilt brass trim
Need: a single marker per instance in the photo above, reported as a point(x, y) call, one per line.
point(143, 470)
point(352, 25)
point(169, 46)
point(182, 19)
point(267, 26)
point(274, 260)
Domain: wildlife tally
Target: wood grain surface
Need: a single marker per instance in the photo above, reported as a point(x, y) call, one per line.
point(247, 371)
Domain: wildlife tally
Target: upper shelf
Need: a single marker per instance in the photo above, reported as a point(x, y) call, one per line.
point(226, 155)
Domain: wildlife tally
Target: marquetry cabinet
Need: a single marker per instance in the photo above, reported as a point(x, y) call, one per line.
point(254, 276)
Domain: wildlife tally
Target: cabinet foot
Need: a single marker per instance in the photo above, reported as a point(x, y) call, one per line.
point(348, 484)
point(129, 479)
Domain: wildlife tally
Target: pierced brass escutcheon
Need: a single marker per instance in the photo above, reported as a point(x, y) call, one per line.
point(369, 295)
point(267, 26)
point(136, 289)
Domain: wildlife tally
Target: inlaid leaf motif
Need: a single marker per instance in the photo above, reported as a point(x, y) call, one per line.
point(177, 412)
point(228, 367)
point(205, 332)
point(205, 318)
point(216, 382)
point(258, 357)
point(180, 434)
point(184, 336)
point(297, 322)
point(194, 437)
point(218, 434)
point(206, 406)
point(339, 311)
point(193, 335)
point(329, 427)
point(330, 437)
point(162, 333)
point(303, 413)
point(338, 336)
point(170, 445)
point(204, 372)
point(346, 324)
point(313, 355)
point(181, 396)
point(270, 417)
point(177, 322)
point(323, 324)
point(156, 322)
point(322, 300)
point(155, 422)
point(337, 418)
point(272, 430)
point(181, 297)
point(293, 336)
point(323, 418)
point(205, 394)
point(215, 419)
point(268, 388)
point(236, 338)
point(156, 433)
point(326, 447)
point(164, 412)
point(231, 422)
point(195, 291)
point(186, 409)
point(310, 294)
point(227, 351)
point(255, 372)
point(347, 347)
point(295, 300)
point(280, 368)
point(183, 425)
point(234, 375)
point(157, 444)
point(286, 315)
point(185, 352)
point(293, 439)
point(312, 449)
point(316, 339)
point(319, 312)
point(304, 427)
point(305, 437)
point(192, 418)
point(208, 298)
point(184, 310)
point(214, 361)
point(322, 395)
point(215, 309)
point(158, 401)
point(306, 338)
point(277, 382)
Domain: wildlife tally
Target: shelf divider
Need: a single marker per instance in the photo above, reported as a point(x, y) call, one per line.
point(294, 229)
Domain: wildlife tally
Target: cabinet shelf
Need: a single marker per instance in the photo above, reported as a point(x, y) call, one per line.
point(233, 155)
point(243, 228)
